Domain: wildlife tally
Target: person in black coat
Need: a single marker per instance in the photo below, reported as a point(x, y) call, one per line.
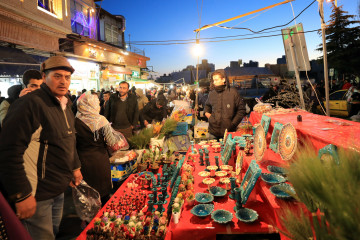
point(224, 108)
point(122, 110)
point(154, 110)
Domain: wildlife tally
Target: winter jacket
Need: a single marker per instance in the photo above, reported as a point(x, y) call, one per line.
point(37, 147)
point(227, 109)
point(151, 112)
point(132, 109)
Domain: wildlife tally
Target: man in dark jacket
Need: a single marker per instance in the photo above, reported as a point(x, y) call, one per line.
point(122, 110)
point(38, 158)
point(224, 107)
point(154, 110)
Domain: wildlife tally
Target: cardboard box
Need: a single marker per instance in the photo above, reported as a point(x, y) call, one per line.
point(201, 130)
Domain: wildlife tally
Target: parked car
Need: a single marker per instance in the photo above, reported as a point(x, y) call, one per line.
point(338, 105)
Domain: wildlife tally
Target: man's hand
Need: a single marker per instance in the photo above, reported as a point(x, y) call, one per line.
point(77, 178)
point(146, 123)
point(24, 92)
point(26, 209)
point(208, 115)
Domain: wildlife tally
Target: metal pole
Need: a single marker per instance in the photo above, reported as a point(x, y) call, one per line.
point(326, 77)
point(240, 16)
point(302, 103)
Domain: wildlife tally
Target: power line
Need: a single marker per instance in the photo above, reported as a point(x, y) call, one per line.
point(191, 40)
point(283, 25)
point(225, 40)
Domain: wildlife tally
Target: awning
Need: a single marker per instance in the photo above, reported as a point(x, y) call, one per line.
point(139, 80)
point(15, 62)
point(119, 70)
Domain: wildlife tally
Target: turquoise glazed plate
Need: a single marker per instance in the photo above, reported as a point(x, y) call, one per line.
point(282, 190)
point(218, 191)
point(222, 216)
point(247, 215)
point(204, 197)
point(272, 178)
point(202, 210)
point(278, 170)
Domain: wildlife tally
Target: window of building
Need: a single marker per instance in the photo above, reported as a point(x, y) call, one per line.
point(80, 17)
point(112, 34)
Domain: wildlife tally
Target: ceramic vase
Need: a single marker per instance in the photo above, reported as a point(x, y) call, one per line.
point(176, 217)
point(233, 185)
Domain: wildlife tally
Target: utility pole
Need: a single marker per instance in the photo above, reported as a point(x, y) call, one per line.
point(129, 43)
point(326, 76)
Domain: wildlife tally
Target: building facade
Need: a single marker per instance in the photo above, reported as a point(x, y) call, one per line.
point(92, 39)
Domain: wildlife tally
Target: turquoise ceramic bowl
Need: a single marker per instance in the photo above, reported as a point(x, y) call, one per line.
point(222, 216)
point(218, 191)
point(204, 197)
point(202, 210)
point(277, 170)
point(282, 190)
point(247, 215)
point(272, 178)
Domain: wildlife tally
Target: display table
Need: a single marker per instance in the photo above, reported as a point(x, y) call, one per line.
point(320, 130)
point(193, 227)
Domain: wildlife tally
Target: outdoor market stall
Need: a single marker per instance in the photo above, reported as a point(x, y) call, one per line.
point(235, 186)
point(320, 130)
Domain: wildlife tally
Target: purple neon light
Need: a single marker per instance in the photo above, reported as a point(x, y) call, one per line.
point(80, 18)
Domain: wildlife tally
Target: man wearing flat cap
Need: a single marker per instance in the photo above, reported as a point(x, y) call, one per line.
point(38, 157)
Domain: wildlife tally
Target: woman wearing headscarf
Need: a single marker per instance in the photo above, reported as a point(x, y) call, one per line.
point(93, 135)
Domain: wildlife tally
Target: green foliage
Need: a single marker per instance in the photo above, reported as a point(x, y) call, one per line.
point(343, 42)
point(142, 139)
point(332, 188)
point(169, 126)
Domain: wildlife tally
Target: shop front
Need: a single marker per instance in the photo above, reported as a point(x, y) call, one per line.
point(112, 75)
point(86, 76)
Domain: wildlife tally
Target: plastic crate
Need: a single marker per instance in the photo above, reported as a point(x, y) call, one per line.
point(121, 171)
point(181, 129)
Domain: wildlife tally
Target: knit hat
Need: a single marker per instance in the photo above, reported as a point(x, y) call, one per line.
point(56, 63)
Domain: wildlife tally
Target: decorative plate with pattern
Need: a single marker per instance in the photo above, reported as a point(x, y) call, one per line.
point(259, 143)
point(287, 141)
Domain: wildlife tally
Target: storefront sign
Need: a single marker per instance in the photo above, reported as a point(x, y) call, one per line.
point(135, 74)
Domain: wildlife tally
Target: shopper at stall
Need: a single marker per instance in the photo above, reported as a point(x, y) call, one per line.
point(224, 107)
point(38, 159)
point(32, 80)
point(141, 98)
point(93, 135)
point(106, 97)
point(154, 110)
point(122, 110)
point(13, 94)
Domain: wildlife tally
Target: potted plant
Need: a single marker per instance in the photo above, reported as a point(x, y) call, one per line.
point(190, 198)
point(176, 210)
point(143, 165)
point(154, 166)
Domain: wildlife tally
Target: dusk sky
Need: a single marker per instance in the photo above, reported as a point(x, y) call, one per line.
point(161, 20)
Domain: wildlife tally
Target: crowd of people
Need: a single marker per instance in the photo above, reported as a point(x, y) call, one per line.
point(51, 139)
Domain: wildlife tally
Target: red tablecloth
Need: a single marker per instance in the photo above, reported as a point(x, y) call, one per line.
point(193, 227)
point(317, 129)
point(123, 189)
